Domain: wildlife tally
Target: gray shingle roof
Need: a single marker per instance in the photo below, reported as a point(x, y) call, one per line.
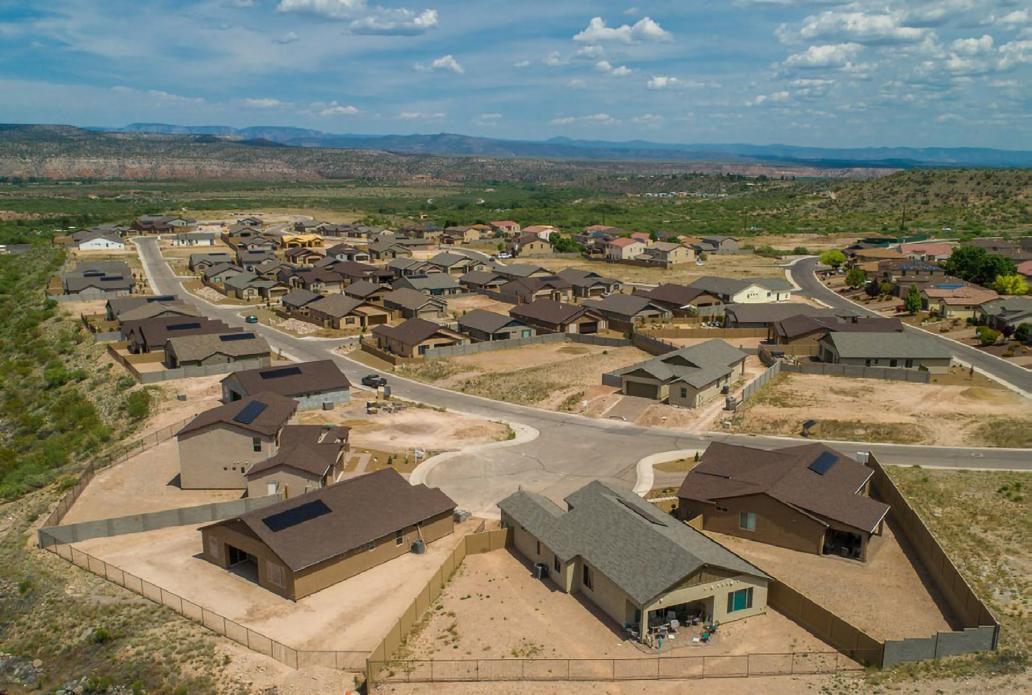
point(486, 321)
point(697, 365)
point(431, 281)
point(410, 299)
point(625, 305)
point(336, 305)
point(191, 348)
point(888, 345)
point(640, 549)
point(771, 312)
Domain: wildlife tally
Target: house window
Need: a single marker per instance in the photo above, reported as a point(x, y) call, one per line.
point(909, 364)
point(721, 509)
point(586, 577)
point(747, 521)
point(371, 545)
point(684, 392)
point(399, 537)
point(867, 363)
point(739, 600)
point(538, 547)
point(557, 564)
point(256, 444)
point(893, 363)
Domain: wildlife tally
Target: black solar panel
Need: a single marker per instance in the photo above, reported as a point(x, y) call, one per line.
point(183, 326)
point(250, 412)
point(297, 515)
point(823, 463)
point(277, 373)
point(161, 298)
point(236, 336)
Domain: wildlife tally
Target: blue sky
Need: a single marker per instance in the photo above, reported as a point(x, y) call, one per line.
point(867, 72)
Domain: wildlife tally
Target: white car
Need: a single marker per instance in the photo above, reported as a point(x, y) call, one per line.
point(503, 256)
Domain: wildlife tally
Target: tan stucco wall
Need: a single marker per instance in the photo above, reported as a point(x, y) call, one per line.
point(933, 366)
point(776, 523)
point(718, 590)
point(219, 536)
point(290, 482)
point(204, 454)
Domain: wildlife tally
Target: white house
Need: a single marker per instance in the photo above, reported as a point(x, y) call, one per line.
point(100, 242)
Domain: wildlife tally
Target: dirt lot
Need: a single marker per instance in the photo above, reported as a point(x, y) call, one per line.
point(969, 412)
point(494, 608)
point(148, 482)
point(558, 376)
point(460, 305)
point(886, 597)
point(352, 615)
point(743, 265)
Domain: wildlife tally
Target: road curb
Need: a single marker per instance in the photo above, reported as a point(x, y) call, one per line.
point(646, 477)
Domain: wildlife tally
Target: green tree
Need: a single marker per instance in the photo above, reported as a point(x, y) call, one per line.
point(885, 289)
point(565, 244)
point(873, 289)
point(1023, 334)
point(1010, 284)
point(912, 300)
point(855, 278)
point(987, 336)
point(976, 265)
point(833, 257)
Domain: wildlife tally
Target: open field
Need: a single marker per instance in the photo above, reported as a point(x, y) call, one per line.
point(977, 413)
point(741, 265)
point(351, 615)
point(983, 519)
point(887, 597)
point(460, 305)
point(493, 608)
point(557, 376)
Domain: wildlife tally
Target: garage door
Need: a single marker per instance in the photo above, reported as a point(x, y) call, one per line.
point(637, 388)
point(589, 327)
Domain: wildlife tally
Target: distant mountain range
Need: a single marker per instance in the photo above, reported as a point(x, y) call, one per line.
point(450, 144)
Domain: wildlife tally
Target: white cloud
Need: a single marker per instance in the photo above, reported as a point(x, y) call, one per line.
point(595, 118)
point(335, 109)
point(650, 120)
point(553, 59)
point(948, 118)
point(445, 62)
point(644, 30)
point(614, 70)
point(670, 82)
point(776, 97)
point(836, 55)
point(1011, 20)
point(888, 27)
point(1014, 54)
point(422, 115)
point(365, 19)
point(174, 98)
point(289, 37)
point(487, 119)
point(263, 103)
point(591, 51)
point(576, 83)
point(973, 47)
point(521, 64)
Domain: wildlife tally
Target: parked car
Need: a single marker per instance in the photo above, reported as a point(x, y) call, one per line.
point(251, 319)
point(374, 381)
point(504, 255)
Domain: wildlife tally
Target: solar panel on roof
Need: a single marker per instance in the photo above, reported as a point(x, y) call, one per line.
point(236, 336)
point(823, 463)
point(277, 373)
point(297, 515)
point(250, 412)
point(161, 298)
point(183, 326)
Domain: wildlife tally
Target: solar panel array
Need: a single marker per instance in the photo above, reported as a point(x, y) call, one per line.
point(823, 463)
point(277, 373)
point(296, 515)
point(229, 337)
point(252, 410)
point(183, 326)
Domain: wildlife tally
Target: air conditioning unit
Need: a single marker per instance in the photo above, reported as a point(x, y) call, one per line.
point(540, 570)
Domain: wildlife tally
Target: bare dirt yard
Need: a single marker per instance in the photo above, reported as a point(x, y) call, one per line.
point(743, 265)
point(493, 608)
point(352, 615)
point(557, 376)
point(966, 411)
point(461, 305)
point(887, 597)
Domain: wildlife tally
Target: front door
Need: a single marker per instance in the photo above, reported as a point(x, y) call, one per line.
point(271, 487)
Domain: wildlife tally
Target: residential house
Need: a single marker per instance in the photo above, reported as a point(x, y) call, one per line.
point(636, 564)
point(528, 245)
point(104, 279)
point(433, 284)
point(353, 272)
point(542, 231)
point(205, 349)
point(627, 311)
point(308, 457)
point(716, 244)
point(218, 446)
point(766, 315)
point(506, 228)
point(322, 280)
point(200, 262)
point(406, 267)
point(146, 306)
point(1006, 312)
point(689, 377)
point(683, 301)
point(413, 337)
point(216, 275)
point(296, 302)
point(899, 350)
point(413, 304)
point(752, 291)
point(901, 274)
point(368, 291)
point(91, 240)
point(251, 259)
point(484, 326)
point(803, 329)
point(303, 255)
point(667, 254)
point(549, 316)
point(956, 301)
point(482, 281)
point(306, 240)
point(388, 249)
point(347, 252)
point(310, 542)
point(861, 256)
point(934, 251)
point(1024, 269)
point(458, 235)
point(312, 384)
point(160, 224)
point(807, 498)
point(146, 335)
point(526, 290)
point(586, 284)
point(341, 312)
point(456, 264)
point(194, 239)
point(624, 249)
point(520, 270)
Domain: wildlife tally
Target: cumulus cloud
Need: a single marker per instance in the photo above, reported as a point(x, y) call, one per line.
point(776, 97)
point(553, 59)
point(1011, 20)
point(614, 70)
point(595, 118)
point(670, 82)
point(644, 30)
point(445, 62)
point(856, 26)
point(365, 19)
point(591, 52)
point(335, 109)
point(263, 103)
point(835, 55)
point(973, 47)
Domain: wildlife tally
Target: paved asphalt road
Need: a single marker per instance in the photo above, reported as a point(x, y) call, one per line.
point(1002, 370)
point(570, 450)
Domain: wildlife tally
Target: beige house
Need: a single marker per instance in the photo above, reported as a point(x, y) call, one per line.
point(218, 446)
point(414, 337)
point(216, 348)
point(305, 544)
point(688, 377)
point(667, 254)
point(624, 249)
point(897, 350)
point(309, 457)
point(641, 567)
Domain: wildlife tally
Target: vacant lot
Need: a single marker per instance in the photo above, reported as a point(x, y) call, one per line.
point(745, 265)
point(461, 305)
point(886, 596)
point(969, 411)
point(557, 376)
point(351, 615)
point(493, 608)
point(983, 519)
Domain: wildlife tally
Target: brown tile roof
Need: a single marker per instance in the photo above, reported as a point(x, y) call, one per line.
point(355, 512)
point(308, 448)
point(801, 324)
point(413, 331)
point(273, 411)
point(336, 305)
point(290, 380)
point(410, 299)
point(547, 311)
point(191, 348)
point(682, 295)
point(727, 470)
point(154, 332)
